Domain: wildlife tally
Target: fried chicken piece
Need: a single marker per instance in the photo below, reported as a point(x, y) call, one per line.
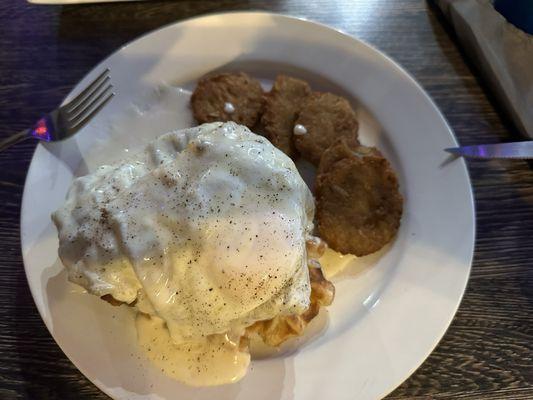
point(315, 248)
point(228, 97)
point(359, 205)
point(343, 147)
point(324, 117)
point(281, 108)
point(279, 329)
point(322, 290)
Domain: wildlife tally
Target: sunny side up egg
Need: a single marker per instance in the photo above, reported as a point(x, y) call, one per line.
point(206, 230)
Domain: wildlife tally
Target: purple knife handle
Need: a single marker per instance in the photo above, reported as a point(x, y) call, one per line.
point(42, 130)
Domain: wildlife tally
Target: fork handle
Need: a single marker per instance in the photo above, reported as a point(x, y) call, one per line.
point(14, 139)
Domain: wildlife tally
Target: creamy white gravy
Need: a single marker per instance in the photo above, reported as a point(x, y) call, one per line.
point(214, 361)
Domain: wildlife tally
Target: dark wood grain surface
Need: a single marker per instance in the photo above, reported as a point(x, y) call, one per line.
point(486, 353)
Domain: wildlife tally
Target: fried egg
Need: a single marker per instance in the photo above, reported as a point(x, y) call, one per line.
point(205, 231)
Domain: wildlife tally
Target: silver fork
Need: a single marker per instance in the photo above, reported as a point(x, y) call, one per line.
point(68, 119)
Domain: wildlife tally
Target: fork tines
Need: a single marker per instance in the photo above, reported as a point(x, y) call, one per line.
point(88, 102)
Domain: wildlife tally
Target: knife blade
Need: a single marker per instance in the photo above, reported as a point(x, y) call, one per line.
point(519, 150)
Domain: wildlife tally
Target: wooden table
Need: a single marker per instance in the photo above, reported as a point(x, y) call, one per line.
point(487, 352)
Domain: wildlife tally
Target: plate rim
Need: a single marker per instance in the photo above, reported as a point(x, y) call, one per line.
point(289, 19)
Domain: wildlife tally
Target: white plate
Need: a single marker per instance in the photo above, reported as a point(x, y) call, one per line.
point(391, 309)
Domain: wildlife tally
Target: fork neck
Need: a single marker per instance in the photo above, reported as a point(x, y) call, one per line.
point(14, 139)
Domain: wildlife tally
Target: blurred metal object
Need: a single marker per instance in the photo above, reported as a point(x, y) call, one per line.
point(501, 50)
point(68, 119)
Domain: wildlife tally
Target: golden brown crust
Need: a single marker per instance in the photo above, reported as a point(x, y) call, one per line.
point(279, 329)
point(281, 108)
point(315, 247)
point(359, 205)
point(343, 147)
point(214, 91)
point(326, 117)
point(322, 290)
